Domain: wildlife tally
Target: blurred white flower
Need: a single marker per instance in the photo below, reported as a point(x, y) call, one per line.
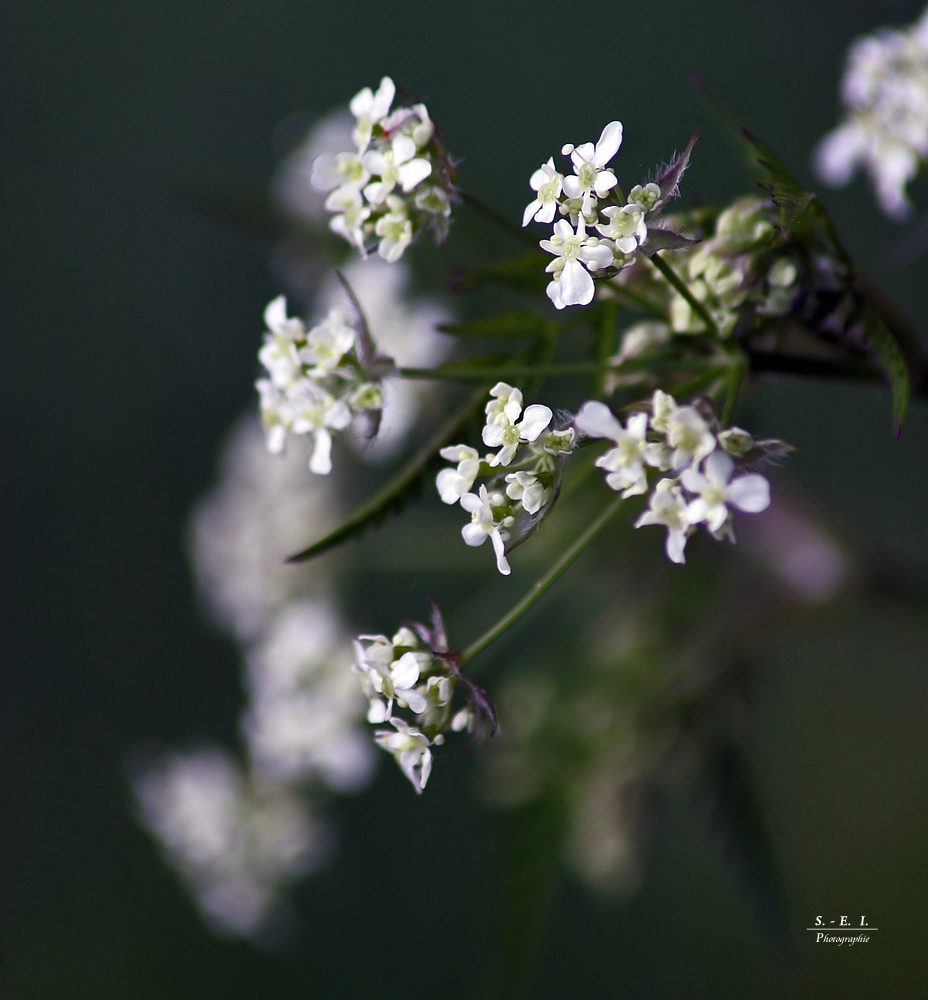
point(262, 509)
point(668, 508)
point(236, 843)
point(715, 488)
point(885, 96)
point(305, 718)
point(410, 749)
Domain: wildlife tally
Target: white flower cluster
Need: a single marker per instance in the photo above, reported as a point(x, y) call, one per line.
point(239, 831)
point(318, 380)
point(393, 183)
point(701, 458)
point(236, 841)
point(402, 673)
point(527, 447)
point(885, 95)
point(622, 226)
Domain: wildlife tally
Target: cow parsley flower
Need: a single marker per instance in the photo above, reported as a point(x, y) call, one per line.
point(410, 749)
point(626, 227)
point(547, 182)
point(625, 463)
point(668, 507)
point(487, 521)
point(589, 161)
point(526, 488)
point(378, 190)
point(504, 432)
point(885, 130)
point(454, 483)
point(575, 255)
point(715, 488)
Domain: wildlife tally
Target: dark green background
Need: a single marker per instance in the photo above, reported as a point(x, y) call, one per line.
point(130, 325)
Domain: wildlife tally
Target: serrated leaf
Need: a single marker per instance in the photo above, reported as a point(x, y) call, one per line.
point(891, 359)
point(666, 239)
point(396, 493)
point(507, 325)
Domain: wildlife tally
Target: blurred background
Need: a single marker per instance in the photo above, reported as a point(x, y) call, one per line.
point(131, 319)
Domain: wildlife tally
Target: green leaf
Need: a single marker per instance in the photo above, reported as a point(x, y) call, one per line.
point(523, 273)
point(507, 325)
point(891, 359)
point(395, 494)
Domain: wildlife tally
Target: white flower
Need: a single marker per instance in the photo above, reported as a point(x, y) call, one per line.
point(395, 231)
point(642, 338)
point(506, 399)
point(454, 483)
point(574, 252)
point(668, 508)
point(527, 488)
point(715, 488)
point(339, 170)
point(626, 227)
point(484, 524)
point(502, 431)
point(351, 215)
point(547, 182)
point(279, 353)
point(410, 749)
point(624, 463)
point(369, 108)
point(689, 435)
point(327, 343)
point(438, 692)
point(311, 410)
point(589, 161)
point(384, 678)
point(397, 164)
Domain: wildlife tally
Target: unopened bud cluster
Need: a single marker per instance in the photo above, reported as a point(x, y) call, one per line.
point(318, 380)
point(395, 182)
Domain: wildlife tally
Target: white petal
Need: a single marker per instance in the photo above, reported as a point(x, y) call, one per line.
point(500, 549)
point(676, 542)
point(547, 212)
point(320, 462)
point(492, 435)
point(471, 502)
point(458, 452)
point(583, 153)
point(719, 466)
point(572, 186)
point(381, 101)
point(750, 493)
point(534, 421)
point(608, 145)
point(413, 699)
point(404, 149)
point(275, 315)
point(576, 284)
point(604, 183)
point(451, 485)
point(596, 420)
point(473, 534)
point(530, 211)
point(693, 480)
point(413, 172)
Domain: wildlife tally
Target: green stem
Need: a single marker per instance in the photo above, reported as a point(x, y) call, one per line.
point(671, 275)
point(542, 585)
point(735, 377)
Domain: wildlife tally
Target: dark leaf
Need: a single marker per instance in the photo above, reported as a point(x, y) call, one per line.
point(666, 239)
point(398, 491)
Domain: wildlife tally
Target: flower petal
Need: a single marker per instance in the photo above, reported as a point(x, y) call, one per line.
point(535, 419)
point(596, 420)
point(750, 493)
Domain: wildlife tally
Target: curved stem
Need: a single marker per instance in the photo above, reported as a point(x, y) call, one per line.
point(519, 609)
point(671, 275)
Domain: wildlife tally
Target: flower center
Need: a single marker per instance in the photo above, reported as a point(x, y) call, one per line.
point(587, 175)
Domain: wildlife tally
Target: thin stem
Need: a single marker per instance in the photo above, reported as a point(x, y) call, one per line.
point(501, 221)
point(735, 378)
point(671, 275)
point(542, 585)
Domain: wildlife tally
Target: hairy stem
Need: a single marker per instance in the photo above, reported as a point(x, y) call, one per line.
point(542, 585)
